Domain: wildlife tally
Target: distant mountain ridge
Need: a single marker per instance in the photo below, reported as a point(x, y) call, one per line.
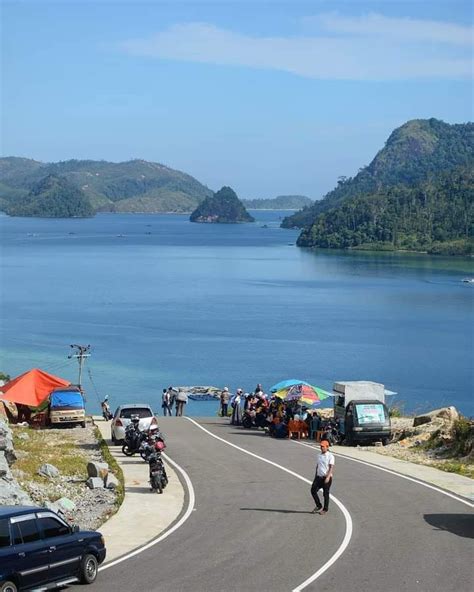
point(416, 194)
point(281, 202)
point(133, 186)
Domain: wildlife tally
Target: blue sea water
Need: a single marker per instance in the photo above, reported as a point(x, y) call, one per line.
point(162, 301)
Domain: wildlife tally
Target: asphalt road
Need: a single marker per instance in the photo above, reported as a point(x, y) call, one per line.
point(251, 527)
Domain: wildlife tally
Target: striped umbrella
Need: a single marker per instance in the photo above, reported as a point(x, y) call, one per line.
point(306, 393)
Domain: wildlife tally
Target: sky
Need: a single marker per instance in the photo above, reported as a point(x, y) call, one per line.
point(269, 97)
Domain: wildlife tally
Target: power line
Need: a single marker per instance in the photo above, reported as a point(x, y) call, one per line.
point(82, 352)
point(93, 384)
point(57, 366)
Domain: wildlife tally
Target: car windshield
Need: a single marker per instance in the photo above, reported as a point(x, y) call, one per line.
point(142, 412)
point(370, 413)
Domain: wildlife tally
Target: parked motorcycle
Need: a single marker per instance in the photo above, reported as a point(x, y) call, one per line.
point(331, 432)
point(133, 437)
point(106, 413)
point(251, 419)
point(158, 476)
point(154, 440)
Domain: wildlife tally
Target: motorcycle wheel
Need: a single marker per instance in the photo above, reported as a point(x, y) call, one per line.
point(126, 450)
point(247, 423)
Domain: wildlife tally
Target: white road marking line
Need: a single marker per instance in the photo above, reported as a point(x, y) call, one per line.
point(348, 534)
point(418, 481)
point(189, 510)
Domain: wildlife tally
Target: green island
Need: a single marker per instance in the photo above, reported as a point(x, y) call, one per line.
point(133, 186)
point(417, 194)
point(224, 207)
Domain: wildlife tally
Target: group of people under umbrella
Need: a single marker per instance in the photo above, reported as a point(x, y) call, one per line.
point(286, 410)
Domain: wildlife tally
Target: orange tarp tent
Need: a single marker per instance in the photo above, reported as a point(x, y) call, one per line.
point(31, 388)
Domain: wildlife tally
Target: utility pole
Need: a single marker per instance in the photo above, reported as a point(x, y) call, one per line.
point(81, 353)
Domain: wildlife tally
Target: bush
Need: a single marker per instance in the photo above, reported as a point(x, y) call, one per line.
point(463, 434)
point(397, 410)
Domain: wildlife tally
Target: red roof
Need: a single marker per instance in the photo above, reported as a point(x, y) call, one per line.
point(31, 388)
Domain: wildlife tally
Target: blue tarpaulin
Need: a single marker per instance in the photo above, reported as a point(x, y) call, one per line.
point(72, 399)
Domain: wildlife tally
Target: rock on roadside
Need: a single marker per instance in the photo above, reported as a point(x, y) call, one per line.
point(68, 494)
point(10, 491)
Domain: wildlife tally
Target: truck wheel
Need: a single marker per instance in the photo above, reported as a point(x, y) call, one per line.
point(8, 587)
point(88, 570)
point(83, 424)
point(385, 441)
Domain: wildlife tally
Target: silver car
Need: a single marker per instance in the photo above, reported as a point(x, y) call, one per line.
point(122, 416)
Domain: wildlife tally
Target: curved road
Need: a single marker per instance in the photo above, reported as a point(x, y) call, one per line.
point(251, 530)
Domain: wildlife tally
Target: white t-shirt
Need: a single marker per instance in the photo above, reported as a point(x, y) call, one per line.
point(322, 466)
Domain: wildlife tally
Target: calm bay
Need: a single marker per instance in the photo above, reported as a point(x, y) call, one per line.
point(163, 301)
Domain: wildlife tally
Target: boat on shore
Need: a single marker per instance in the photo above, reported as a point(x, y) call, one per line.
point(200, 393)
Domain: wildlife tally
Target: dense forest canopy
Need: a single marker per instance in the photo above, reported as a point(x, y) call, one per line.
point(435, 216)
point(412, 154)
point(53, 197)
point(416, 194)
point(224, 207)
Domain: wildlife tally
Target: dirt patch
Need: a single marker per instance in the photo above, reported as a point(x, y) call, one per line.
point(432, 444)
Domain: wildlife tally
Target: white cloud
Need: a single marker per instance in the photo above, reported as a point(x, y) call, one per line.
point(402, 29)
point(369, 48)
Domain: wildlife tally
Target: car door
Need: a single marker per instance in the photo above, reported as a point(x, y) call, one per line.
point(64, 546)
point(30, 553)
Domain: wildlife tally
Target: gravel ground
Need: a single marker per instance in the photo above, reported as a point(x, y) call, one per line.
point(92, 506)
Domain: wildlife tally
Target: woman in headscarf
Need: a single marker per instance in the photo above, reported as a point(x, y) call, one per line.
point(236, 411)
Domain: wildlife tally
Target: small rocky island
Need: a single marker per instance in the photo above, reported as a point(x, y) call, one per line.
point(224, 207)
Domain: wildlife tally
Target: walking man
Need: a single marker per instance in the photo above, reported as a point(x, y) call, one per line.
point(323, 478)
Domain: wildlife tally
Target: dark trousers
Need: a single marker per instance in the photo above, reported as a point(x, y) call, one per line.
point(224, 409)
point(318, 484)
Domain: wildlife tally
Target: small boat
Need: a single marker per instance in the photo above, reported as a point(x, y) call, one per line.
point(468, 280)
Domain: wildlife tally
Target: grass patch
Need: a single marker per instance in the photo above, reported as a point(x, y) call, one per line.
point(114, 467)
point(41, 447)
point(465, 469)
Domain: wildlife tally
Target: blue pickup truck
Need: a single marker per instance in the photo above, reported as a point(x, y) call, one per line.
point(40, 550)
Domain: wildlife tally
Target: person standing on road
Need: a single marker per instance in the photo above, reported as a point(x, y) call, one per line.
point(181, 400)
point(323, 478)
point(166, 402)
point(236, 413)
point(225, 396)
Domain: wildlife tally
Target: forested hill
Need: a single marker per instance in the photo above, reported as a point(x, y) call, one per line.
point(436, 216)
point(281, 202)
point(224, 207)
point(53, 197)
point(414, 153)
point(133, 186)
